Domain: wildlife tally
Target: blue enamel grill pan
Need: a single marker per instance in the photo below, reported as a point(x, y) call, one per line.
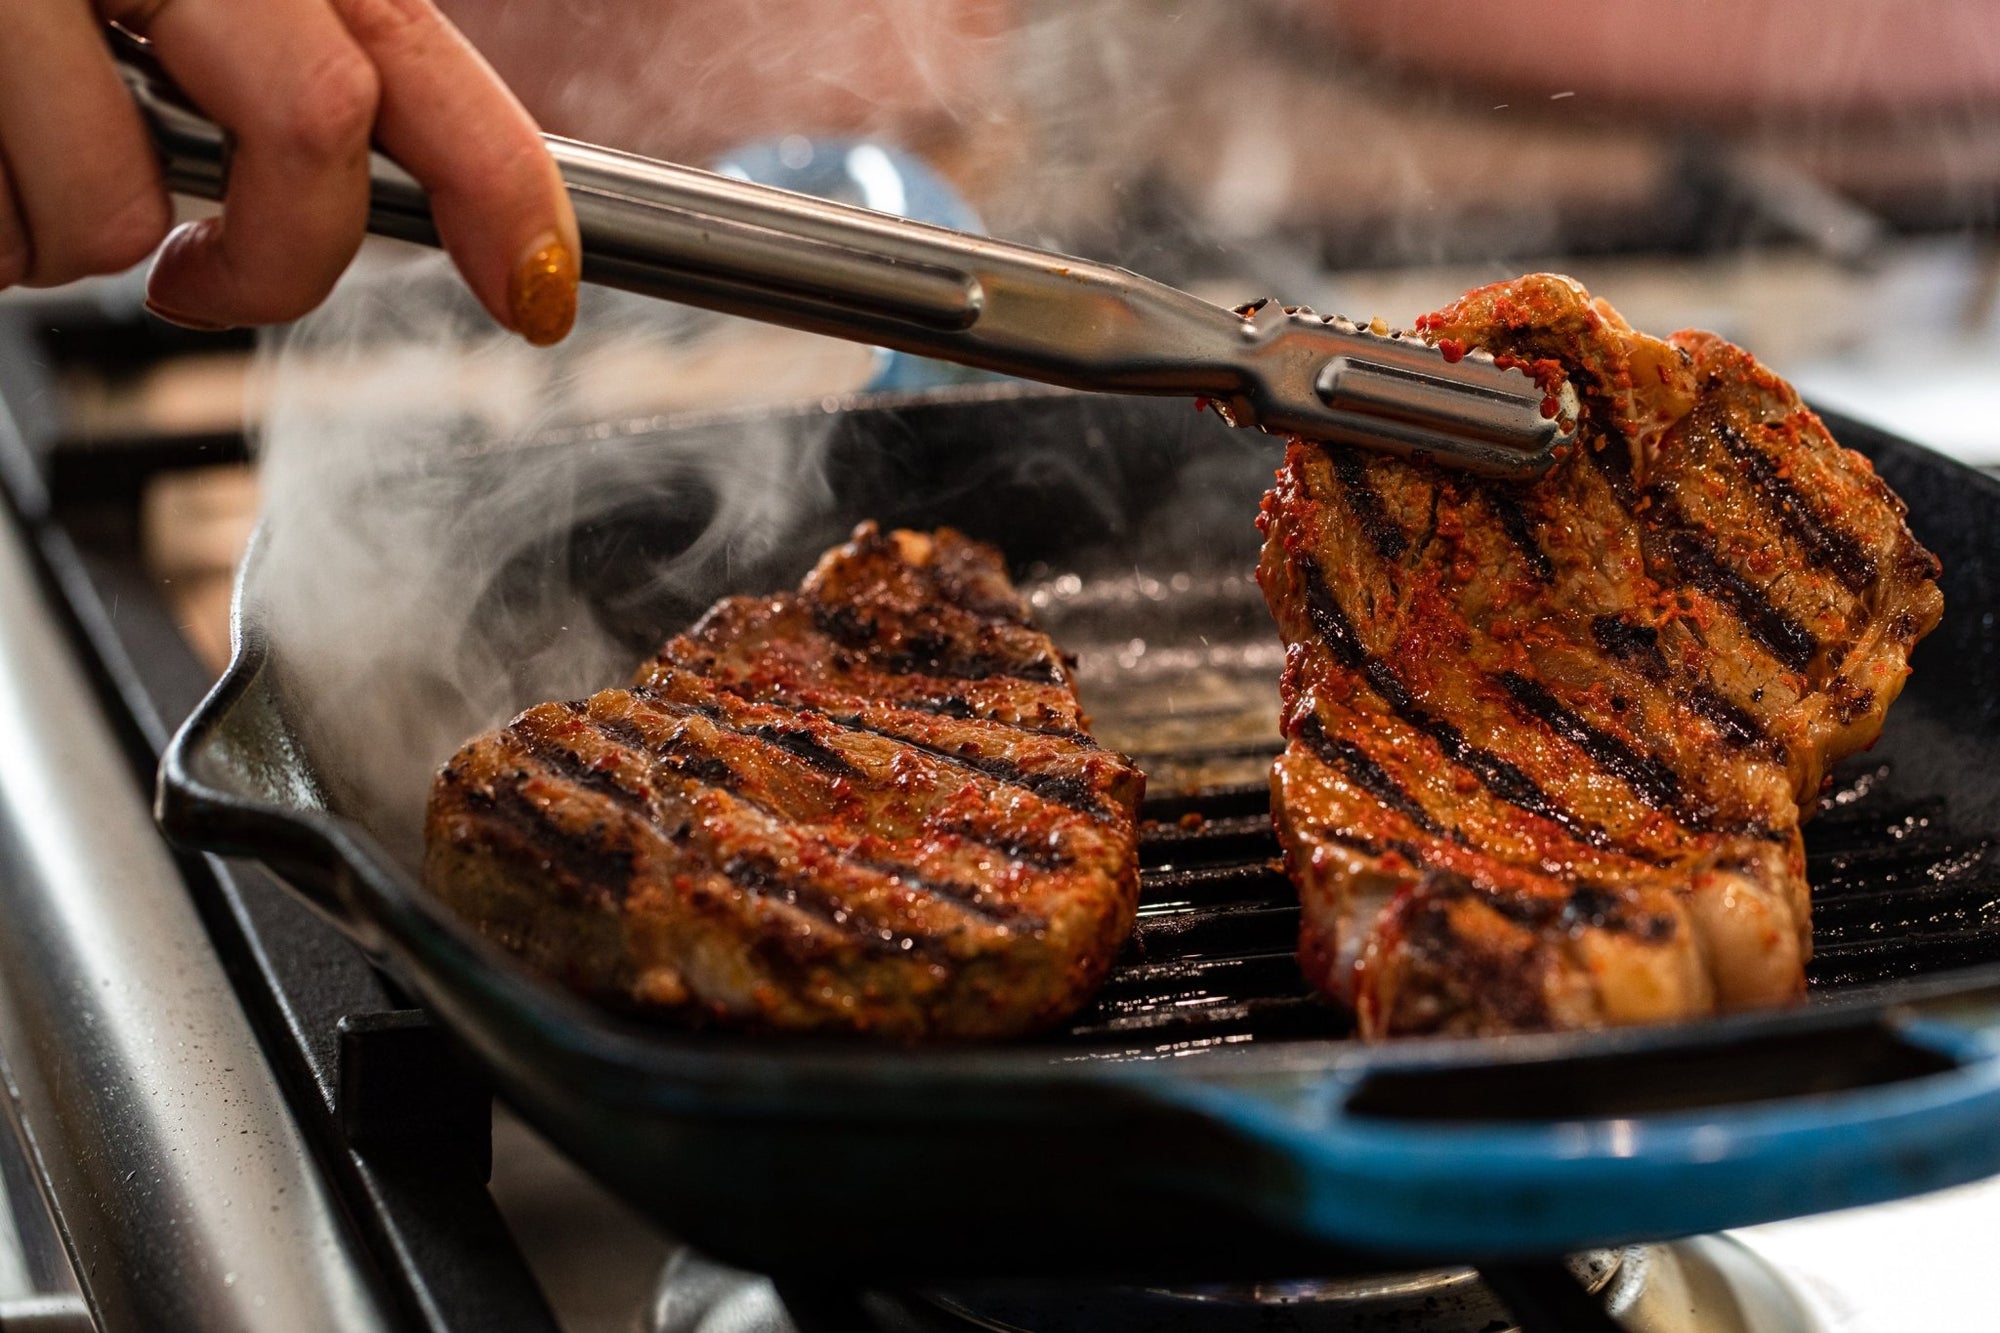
point(1207, 1118)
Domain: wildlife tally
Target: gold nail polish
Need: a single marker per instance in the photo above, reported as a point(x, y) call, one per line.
point(542, 294)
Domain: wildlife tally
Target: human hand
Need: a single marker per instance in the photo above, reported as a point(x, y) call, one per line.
point(301, 85)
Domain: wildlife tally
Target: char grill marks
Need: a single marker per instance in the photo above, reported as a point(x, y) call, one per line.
point(897, 824)
point(1628, 679)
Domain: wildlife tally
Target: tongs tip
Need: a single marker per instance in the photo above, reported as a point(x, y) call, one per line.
point(1341, 380)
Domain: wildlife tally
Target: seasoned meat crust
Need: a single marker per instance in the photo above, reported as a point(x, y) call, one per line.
point(1549, 746)
point(870, 805)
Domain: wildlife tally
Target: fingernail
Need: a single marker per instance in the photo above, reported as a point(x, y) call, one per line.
point(181, 321)
point(542, 295)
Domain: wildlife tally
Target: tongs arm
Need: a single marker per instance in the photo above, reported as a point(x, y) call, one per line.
point(774, 255)
point(751, 249)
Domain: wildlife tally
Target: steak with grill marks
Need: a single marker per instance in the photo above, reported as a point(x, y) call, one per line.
point(1549, 746)
point(870, 805)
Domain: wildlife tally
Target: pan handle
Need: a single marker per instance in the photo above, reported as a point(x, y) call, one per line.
point(1644, 1135)
point(234, 781)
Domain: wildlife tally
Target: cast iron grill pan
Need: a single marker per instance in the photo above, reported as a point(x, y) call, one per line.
point(1206, 1116)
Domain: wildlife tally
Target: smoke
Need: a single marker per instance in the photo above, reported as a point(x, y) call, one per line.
point(457, 525)
point(1047, 114)
point(687, 81)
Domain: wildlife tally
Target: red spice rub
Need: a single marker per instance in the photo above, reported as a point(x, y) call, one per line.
point(1549, 746)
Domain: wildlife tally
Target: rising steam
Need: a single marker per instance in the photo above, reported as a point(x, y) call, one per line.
point(438, 495)
point(431, 485)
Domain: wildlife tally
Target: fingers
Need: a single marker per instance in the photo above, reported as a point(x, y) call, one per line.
point(500, 205)
point(301, 85)
point(298, 94)
point(85, 191)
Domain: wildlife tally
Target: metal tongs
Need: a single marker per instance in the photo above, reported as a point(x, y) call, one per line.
point(786, 258)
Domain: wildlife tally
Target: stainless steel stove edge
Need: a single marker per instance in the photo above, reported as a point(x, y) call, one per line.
point(178, 1178)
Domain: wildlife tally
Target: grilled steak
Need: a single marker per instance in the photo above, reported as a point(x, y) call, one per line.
point(1549, 746)
point(868, 805)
